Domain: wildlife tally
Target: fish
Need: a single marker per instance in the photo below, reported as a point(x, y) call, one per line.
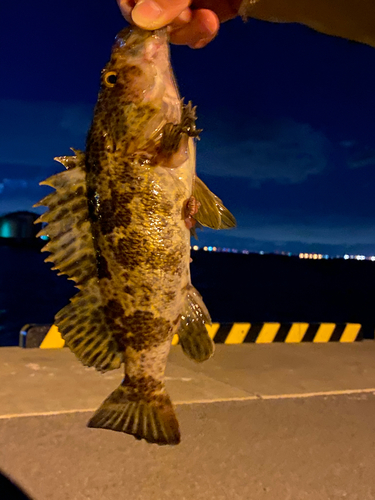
point(119, 223)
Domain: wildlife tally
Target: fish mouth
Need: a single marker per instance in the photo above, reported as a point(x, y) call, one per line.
point(132, 37)
point(138, 46)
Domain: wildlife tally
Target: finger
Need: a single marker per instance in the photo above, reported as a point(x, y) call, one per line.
point(154, 14)
point(202, 28)
point(181, 20)
point(126, 7)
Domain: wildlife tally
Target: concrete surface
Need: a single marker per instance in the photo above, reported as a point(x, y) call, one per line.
point(273, 422)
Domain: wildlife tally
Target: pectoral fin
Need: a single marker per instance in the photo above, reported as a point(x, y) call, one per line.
point(173, 132)
point(212, 213)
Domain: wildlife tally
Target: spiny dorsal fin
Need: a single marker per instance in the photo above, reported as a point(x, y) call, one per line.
point(68, 226)
point(81, 323)
point(212, 213)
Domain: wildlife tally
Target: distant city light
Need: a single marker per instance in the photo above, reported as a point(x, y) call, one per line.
point(301, 255)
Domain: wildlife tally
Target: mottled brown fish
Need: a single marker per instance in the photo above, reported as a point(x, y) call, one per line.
point(119, 224)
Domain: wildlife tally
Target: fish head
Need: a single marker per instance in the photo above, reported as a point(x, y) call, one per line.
point(137, 84)
point(139, 70)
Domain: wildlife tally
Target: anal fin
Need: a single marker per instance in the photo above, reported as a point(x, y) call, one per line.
point(193, 335)
point(83, 327)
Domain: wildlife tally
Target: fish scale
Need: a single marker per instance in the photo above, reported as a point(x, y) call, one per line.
point(119, 225)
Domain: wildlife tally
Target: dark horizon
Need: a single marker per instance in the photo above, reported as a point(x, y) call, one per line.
point(235, 287)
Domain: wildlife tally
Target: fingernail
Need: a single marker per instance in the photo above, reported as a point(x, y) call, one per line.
point(146, 14)
point(185, 16)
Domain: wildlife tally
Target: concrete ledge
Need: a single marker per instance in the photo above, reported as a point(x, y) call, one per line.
point(49, 337)
point(53, 380)
point(247, 435)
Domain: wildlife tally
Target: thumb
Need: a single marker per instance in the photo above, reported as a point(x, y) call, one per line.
point(154, 14)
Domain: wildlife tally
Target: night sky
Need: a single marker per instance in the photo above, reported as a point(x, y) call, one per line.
point(288, 119)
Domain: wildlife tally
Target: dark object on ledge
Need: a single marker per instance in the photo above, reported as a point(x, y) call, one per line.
point(18, 229)
point(33, 335)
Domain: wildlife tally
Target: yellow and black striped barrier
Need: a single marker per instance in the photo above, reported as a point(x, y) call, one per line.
point(48, 337)
point(265, 333)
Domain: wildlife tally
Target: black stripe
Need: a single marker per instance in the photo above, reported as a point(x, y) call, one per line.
point(359, 334)
point(253, 333)
point(222, 333)
point(282, 332)
point(337, 332)
point(311, 332)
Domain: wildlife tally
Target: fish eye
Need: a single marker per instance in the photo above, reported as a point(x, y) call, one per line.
point(110, 79)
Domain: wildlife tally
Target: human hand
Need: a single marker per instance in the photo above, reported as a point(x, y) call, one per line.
point(191, 22)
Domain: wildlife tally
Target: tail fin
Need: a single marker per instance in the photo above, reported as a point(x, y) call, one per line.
point(154, 421)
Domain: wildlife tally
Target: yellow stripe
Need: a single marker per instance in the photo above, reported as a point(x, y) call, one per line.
point(53, 339)
point(350, 333)
point(212, 329)
point(238, 333)
point(324, 332)
point(175, 339)
point(297, 332)
point(267, 333)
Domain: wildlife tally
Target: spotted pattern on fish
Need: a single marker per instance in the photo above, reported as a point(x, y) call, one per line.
point(135, 212)
point(137, 328)
point(117, 229)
